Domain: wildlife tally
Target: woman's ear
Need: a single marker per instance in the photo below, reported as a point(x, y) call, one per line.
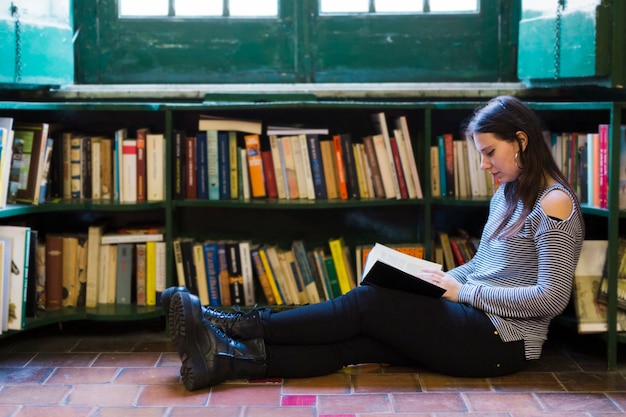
point(523, 139)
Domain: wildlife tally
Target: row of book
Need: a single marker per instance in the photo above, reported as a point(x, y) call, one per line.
point(83, 166)
point(58, 270)
point(125, 168)
point(240, 272)
point(455, 169)
point(583, 159)
point(294, 163)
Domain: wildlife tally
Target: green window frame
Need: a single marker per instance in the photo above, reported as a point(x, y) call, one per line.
point(299, 45)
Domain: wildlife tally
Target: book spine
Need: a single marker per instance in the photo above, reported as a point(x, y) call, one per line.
point(262, 276)
point(142, 189)
point(341, 167)
point(129, 187)
point(330, 172)
point(317, 166)
point(441, 156)
point(370, 153)
point(307, 169)
point(278, 167)
point(212, 271)
point(213, 165)
point(233, 165)
point(85, 168)
point(106, 168)
point(223, 164)
point(201, 173)
point(151, 273)
point(178, 164)
point(191, 189)
point(255, 166)
point(449, 163)
point(603, 133)
point(155, 167)
point(201, 274)
point(397, 163)
point(75, 167)
point(123, 287)
point(140, 274)
point(336, 250)
point(54, 271)
point(269, 173)
point(347, 152)
point(235, 278)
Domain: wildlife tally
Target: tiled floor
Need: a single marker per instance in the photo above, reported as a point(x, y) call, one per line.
point(131, 369)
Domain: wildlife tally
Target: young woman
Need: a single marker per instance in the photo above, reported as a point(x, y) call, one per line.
point(492, 319)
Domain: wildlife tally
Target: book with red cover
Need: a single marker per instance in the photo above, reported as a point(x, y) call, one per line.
point(397, 163)
point(271, 186)
point(341, 167)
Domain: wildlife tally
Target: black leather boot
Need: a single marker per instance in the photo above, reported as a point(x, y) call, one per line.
point(208, 356)
point(239, 324)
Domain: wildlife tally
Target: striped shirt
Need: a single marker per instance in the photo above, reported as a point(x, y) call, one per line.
point(524, 281)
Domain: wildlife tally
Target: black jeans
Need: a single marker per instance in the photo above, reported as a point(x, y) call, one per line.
point(376, 325)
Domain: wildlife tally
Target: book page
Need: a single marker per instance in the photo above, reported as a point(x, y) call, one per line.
point(397, 259)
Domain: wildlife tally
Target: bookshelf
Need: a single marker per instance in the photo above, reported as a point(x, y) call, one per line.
point(282, 221)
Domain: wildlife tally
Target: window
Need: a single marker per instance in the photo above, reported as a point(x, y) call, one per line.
point(195, 8)
point(398, 6)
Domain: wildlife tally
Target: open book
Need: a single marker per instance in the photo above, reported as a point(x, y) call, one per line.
point(389, 268)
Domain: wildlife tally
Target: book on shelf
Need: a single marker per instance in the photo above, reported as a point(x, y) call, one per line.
point(190, 164)
point(178, 164)
point(342, 181)
point(235, 275)
point(397, 164)
point(223, 165)
point(94, 237)
point(234, 165)
point(269, 173)
point(372, 162)
point(288, 167)
point(152, 261)
point(201, 273)
point(255, 166)
point(154, 235)
point(272, 253)
point(268, 269)
point(385, 167)
point(211, 261)
point(124, 273)
point(247, 273)
point(388, 268)
point(160, 270)
point(295, 130)
point(262, 275)
point(208, 122)
point(106, 168)
point(120, 136)
point(317, 165)
point(278, 166)
point(330, 168)
point(70, 270)
point(243, 177)
point(201, 167)
point(298, 163)
point(6, 142)
point(54, 271)
point(223, 274)
point(402, 125)
point(591, 315)
point(343, 268)
point(155, 167)
point(140, 154)
point(602, 295)
point(381, 129)
point(5, 268)
point(20, 243)
point(302, 262)
point(128, 188)
point(140, 263)
point(45, 175)
point(28, 159)
point(294, 276)
point(307, 172)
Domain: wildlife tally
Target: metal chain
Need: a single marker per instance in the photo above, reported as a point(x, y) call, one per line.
point(18, 43)
point(557, 39)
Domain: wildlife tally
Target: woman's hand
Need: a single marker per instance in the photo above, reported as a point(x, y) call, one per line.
point(443, 280)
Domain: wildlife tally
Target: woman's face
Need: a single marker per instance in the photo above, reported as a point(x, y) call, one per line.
point(498, 156)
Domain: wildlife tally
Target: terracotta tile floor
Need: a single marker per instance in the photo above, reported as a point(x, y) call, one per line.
point(131, 369)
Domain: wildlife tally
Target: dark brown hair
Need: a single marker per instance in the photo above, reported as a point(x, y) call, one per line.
point(503, 117)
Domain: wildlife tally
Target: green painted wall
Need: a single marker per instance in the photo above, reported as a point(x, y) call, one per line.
point(47, 52)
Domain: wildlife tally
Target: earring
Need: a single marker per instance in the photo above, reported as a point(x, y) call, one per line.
point(515, 161)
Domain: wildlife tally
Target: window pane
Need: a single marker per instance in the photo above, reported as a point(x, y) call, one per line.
point(253, 7)
point(143, 7)
point(387, 6)
point(344, 6)
point(453, 5)
point(199, 8)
